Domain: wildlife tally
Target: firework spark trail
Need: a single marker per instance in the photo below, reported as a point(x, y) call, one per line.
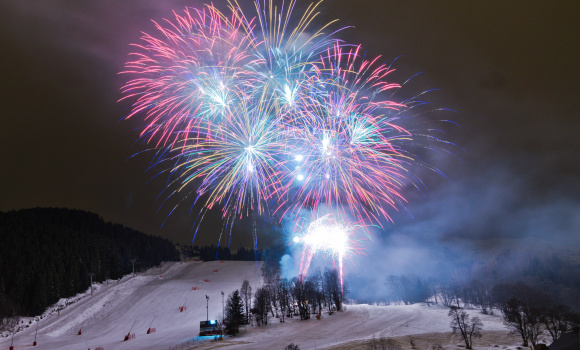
point(268, 114)
point(330, 236)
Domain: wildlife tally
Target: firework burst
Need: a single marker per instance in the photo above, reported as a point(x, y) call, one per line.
point(267, 113)
point(330, 236)
point(346, 136)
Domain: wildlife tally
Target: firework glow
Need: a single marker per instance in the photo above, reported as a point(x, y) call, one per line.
point(264, 112)
point(330, 236)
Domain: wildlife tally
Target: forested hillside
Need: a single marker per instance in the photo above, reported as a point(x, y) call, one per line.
point(48, 253)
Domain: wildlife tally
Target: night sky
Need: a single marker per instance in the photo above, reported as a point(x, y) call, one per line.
point(510, 70)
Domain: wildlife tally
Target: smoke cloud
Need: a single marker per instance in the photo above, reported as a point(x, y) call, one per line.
point(488, 227)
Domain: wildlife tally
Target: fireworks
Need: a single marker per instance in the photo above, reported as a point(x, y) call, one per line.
point(347, 136)
point(330, 236)
point(251, 113)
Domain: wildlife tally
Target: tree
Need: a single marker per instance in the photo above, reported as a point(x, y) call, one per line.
point(271, 273)
point(559, 319)
point(331, 289)
point(234, 313)
point(272, 286)
point(433, 286)
point(300, 291)
point(521, 307)
point(246, 292)
point(9, 324)
point(8, 314)
point(284, 297)
point(515, 318)
point(292, 346)
point(261, 305)
point(446, 294)
point(468, 328)
point(317, 294)
point(479, 293)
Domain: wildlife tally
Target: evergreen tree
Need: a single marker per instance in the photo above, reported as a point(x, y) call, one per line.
point(234, 313)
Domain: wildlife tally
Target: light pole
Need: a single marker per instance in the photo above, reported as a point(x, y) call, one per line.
point(91, 276)
point(133, 261)
point(207, 307)
point(13, 331)
point(223, 308)
point(35, 333)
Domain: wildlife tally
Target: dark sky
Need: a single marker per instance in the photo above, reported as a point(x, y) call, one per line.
point(509, 68)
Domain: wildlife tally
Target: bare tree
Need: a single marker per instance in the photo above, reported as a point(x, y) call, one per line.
point(446, 294)
point(331, 287)
point(521, 306)
point(458, 293)
point(480, 295)
point(515, 318)
point(316, 295)
point(523, 319)
point(246, 292)
point(261, 306)
point(271, 273)
point(272, 286)
point(284, 297)
point(300, 291)
point(559, 319)
point(433, 286)
point(468, 328)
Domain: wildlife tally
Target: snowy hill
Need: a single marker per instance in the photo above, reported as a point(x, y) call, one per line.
point(153, 300)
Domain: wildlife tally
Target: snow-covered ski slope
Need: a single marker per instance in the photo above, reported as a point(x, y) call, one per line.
point(108, 315)
point(153, 299)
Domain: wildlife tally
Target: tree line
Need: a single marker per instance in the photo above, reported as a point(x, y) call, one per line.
point(280, 298)
point(49, 253)
point(527, 311)
point(299, 296)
